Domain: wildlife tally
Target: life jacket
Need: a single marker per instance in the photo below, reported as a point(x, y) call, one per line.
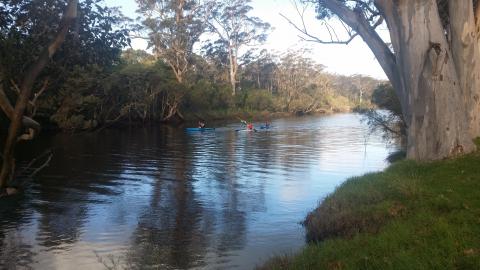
point(250, 126)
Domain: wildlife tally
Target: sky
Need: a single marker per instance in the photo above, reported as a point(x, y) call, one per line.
point(354, 58)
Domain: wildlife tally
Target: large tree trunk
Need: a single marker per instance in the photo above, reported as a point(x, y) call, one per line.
point(26, 91)
point(466, 55)
point(434, 102)
point(433, 68)
point(232, 70)
point(435, 80)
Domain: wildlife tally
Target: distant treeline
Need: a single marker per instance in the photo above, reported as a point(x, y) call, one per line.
point(92, 81)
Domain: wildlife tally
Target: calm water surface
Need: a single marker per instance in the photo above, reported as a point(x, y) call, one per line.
point(160, 198)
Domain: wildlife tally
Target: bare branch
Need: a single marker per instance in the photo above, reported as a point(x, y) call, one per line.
point(45, 164)
point(40, 92)
point(334, 39)
point(33, 102)
point(29, 166)
point(15, 87)
point(9, 111)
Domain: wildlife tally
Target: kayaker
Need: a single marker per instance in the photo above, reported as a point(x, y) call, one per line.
point(201, 124)
point(248, 125)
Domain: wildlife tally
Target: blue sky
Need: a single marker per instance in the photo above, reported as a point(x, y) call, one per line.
point(355, 58)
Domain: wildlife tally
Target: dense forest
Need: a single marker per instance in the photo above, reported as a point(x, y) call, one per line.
point(96, 80)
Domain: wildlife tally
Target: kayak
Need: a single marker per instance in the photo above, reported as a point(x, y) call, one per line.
point(199, 129)
point(245, 130)
point(265, 127)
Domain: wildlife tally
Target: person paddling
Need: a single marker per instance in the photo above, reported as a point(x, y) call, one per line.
point(248, 125)
point(201, 124)
point(266, 125)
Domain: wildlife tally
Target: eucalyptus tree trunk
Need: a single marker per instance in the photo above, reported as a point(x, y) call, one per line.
point(233, 67)
point(433, 68)
point(25, 93)
point(465, 30)
point(433, 97)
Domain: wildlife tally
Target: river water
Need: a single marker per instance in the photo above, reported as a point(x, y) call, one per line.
point(161, 198)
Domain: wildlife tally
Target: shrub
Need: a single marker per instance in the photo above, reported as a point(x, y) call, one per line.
point(259, 100)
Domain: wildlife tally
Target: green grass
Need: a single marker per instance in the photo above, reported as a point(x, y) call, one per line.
point(412, 216)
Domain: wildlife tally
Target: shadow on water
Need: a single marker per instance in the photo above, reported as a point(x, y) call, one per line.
point(165, 199)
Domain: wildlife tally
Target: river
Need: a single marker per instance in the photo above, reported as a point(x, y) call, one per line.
point(161, 198)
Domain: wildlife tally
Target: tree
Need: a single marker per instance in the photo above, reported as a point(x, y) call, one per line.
point(131, 56)
point(75, 73)
point(174, 27)
point(16, 114)
point(355, 86)
point(432, 63)
point(259, 73)
point(299, 82)
point(236, 29)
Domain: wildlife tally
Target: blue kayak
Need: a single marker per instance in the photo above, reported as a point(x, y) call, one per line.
point(199, 129)
point(265, 127)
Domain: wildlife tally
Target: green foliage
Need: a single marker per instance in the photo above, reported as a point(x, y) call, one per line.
point(259, 71)
point(92, 83)
point(358, 88)
point(261, 100)
point(76, 104)
point(141, 92)
point(205, 96)
point(384, 97)
point(90, 51)
point(98, 36)
point(173, 26)
point(301, 83)
point(234, 25)
point(412, 216)
point(390, 119)
point(131, 57)
point(235, 29)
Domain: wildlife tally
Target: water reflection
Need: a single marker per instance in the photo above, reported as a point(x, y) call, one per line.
point(164, 199)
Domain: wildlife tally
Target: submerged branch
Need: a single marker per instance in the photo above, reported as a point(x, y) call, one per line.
point(30, 165)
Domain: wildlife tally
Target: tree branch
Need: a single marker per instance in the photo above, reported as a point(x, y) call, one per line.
point(313, 38)
point(357, 21)
point(9, 112)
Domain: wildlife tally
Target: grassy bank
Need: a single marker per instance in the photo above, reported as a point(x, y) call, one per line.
point(412, 216)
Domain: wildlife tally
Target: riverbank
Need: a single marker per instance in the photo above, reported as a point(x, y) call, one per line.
point(252, 115)
point(228, 115)
point(411, 216)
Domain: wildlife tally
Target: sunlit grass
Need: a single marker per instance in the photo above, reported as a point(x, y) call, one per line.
point(412, 216)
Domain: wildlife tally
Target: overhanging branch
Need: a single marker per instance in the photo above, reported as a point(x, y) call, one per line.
point(334, 39)
point(357, 21)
